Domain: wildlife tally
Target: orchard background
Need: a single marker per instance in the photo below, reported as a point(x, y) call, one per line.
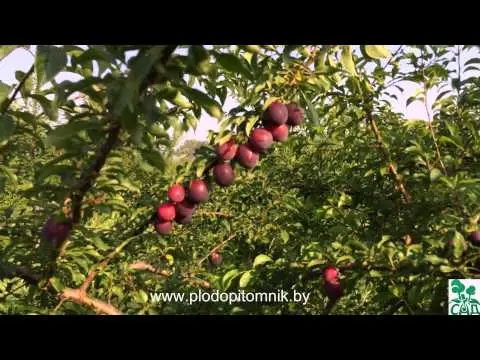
point(381, 206)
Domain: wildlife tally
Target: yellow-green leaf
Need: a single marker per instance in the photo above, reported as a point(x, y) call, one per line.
point(347, 60)
point(270, 101)
point(377, 51)
point(245, 279)
point(261, 259)
point(250, 124)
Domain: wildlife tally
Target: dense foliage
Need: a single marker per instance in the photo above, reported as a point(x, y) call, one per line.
point(388, 201)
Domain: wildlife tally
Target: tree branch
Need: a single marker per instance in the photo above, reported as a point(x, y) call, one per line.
point(103, 264)
point(12, 271)
point(90, 173)
point(6, 104)
point(141, 265)
point(391, 167)
point(80, 297)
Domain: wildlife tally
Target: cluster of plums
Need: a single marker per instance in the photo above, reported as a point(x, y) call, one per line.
point(182, 202)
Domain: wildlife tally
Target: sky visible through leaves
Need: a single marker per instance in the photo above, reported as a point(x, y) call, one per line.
point(22, 59)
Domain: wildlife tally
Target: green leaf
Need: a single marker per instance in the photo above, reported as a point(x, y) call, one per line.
point(245, 279)
point(99, 243)
point(228, 278)
point(7, 127)
point(411, 99)
point(49, 61)
point(444, 139)
point(458, 245)
point(472, 61)
point(435, 260)
point(233, 64)
point(261, 259)
point(141, 67)
point(397, 290)
point(169, 259)
point(347, 60)
point(254, 49)
point(345, 258)
point(212, 107)
point(311, 110)
point(63, 132)
point(250, 124)
point(284, 235)
point(82, 262)
point(199, 58)
point(57, 284)
point(48, 106)
point(4, 91)
point(375, 274)
point(435, 174)
point(155, 159)
point(141, 297)
point(268, 102)
point(316, 262)
point(446, 269)
point(376, 51)
point(10, 175)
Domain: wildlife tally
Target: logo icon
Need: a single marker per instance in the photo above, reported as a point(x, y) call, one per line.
point(464, 297)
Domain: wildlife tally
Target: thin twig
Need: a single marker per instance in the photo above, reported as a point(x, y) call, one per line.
point(10, 100)
point(221, 245)
point(100, 266)
point(141, 265)
point(59, 305)
point(391, 167)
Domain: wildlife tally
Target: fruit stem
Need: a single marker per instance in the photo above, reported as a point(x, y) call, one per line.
point(221, 245)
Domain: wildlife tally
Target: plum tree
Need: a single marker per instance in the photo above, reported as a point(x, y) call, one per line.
point(260, 140)
point(358, 185)
point(224, 174)
point(247, 157)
